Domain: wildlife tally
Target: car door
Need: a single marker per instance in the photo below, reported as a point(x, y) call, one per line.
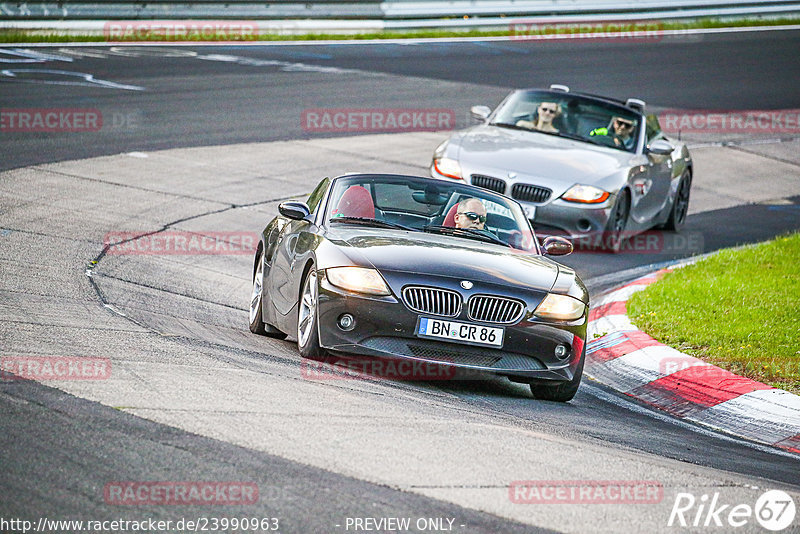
point(284, 280)
point(650, 186)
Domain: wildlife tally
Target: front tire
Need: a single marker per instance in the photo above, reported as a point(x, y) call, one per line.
point(563, 392)
point(680, 206)
point(307, 319)
point(257, 325)
point(617, 220)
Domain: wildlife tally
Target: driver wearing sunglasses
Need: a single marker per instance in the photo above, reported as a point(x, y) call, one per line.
point(621, 131)
point(471, 213)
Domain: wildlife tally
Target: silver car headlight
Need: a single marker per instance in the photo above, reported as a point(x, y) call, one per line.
point(358, 280)
point(560, 308)
point(585, 194)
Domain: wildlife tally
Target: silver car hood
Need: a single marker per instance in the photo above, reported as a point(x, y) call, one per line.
point(556, 160)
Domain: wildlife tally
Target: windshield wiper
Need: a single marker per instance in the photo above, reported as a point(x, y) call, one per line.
point(483, 235)
point(372, 222)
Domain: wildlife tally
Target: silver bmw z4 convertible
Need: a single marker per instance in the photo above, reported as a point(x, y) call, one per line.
point(582, 166)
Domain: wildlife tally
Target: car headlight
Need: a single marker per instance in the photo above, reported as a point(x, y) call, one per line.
point(447, 167)
point(358, 280)
point(585, 194)
point(560, 308)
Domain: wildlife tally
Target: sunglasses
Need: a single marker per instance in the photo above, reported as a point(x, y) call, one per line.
point(548, 110)
point(472, 216)
point(624, 124)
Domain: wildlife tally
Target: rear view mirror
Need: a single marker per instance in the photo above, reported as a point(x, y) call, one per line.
point(557, 246)
point(296, 211)
point(480, 113)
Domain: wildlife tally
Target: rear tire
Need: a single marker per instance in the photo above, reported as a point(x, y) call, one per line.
point(257, 325)
point(680, 206)
point(307, 319)
point(564, 391)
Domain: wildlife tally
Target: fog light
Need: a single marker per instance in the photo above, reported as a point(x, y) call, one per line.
point(584, 225)
point(561, 351)
point(346, 321)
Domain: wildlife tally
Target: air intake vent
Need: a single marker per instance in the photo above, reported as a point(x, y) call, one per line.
point(433, 301)
point(530, 193)
point(489, 309)
point(487, 182)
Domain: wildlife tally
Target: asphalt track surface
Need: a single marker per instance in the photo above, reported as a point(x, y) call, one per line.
point(59, 450)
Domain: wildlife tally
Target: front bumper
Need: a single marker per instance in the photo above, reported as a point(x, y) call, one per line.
point(571, 219)
point(555, 216)
point(384, 327)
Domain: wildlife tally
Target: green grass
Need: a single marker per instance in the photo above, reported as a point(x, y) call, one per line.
point(48, 36)
point(738, 309)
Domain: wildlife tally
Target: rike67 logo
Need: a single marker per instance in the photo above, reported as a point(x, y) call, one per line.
point(774, 510)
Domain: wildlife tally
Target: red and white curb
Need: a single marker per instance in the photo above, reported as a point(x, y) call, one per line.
point(623, 357)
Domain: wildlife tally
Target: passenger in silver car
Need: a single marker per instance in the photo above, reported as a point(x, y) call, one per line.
point(546, 113)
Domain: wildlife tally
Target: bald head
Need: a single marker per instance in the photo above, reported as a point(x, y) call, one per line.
point(469, 214)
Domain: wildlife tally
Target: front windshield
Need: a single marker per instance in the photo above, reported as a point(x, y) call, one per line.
point(572, 116)
point(432, 206)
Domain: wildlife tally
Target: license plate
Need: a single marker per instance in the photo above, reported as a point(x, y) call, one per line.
point(460, 332)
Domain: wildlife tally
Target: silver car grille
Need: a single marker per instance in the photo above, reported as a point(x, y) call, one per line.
point(433, 301)
point(487, 182)
point(530, 193)
point(489, 309)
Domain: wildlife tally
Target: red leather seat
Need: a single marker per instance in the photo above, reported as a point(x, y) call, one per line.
point(355, 202)
point(450, 219)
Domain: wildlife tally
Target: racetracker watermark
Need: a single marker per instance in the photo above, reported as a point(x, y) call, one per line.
point(54, 368)
point(779, 121)
point(354, 368)
point(181, 243)
point(652, 242)
point(76, 120)
point(50, 120)
point(586, 492)
point(619, 30)
point(377, 120)
point(129, 493)
point(180, 30)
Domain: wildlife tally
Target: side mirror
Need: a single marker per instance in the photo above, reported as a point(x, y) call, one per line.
point(297, 211)
point(660, 147)
point(557, 246)
point(480, 113)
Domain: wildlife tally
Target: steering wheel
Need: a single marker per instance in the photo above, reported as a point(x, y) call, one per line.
point(605, 140)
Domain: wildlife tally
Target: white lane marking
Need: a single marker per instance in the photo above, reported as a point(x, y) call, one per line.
point(87, 52)
point(628, 405)
point(86, 79)
point(140, 51)
point(42, 55)
point(285, 66)
point(21, 57)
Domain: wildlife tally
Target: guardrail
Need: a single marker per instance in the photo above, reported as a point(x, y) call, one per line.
point(293, 16)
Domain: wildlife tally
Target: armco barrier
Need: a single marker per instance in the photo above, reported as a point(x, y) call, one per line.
point(398, 13)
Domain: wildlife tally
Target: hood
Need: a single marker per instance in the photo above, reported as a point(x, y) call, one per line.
point(537, 154)
point(440, 255)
